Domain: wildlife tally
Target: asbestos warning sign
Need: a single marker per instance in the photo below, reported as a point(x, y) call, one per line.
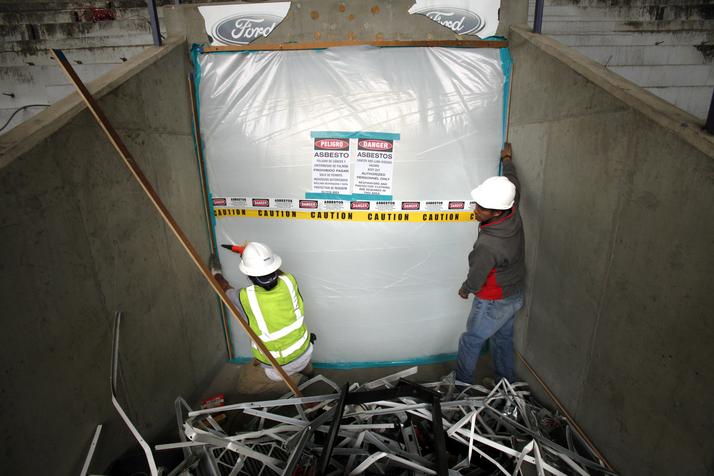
point(374, 166)
point(331, 165)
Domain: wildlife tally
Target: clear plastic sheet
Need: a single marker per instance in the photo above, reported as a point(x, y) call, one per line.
point(373, 292)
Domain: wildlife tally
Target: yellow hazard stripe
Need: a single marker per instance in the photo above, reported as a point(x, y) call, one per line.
point(369, 216)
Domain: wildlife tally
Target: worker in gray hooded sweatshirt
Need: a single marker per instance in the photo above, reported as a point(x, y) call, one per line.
point(496, 274)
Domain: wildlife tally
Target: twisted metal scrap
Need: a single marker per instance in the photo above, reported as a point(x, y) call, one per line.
point(488, 431)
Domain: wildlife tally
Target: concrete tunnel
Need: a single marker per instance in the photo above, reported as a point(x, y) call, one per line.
point(617, 190)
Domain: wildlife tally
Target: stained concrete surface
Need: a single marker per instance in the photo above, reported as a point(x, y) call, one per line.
point(660, 45)
point(617, 320)
point(334, 20)
point(81, 240)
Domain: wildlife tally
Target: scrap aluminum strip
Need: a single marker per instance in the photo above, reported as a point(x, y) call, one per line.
point(519, 461)
point(238, 467)
point(198, 435)
point(295, 455)
point(316, 379)
point(377, 456)
point(270, 431)
point(113, 381)
point(485, 455)
point(398, 408)
point(538, 459)
point(473, 427)
point(512, 452)
point(389, 379)
point(544, 441)
point(181, 444)
point(296, 422)
point(264, 404)
point(350, 452)
point(396, 449)
point(388, 435)
point(90, 454)
point(358, 442)
point(276, 417)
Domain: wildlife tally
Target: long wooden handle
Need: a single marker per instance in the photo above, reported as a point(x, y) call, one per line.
point(163, 211)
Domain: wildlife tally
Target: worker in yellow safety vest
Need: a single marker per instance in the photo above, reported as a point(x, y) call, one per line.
point(274, 308)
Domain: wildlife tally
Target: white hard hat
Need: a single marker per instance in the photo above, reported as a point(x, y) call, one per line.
point(258, 260)
point(495, 193)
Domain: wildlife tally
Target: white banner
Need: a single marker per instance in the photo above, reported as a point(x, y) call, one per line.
point(465, 17)
point(242, 24)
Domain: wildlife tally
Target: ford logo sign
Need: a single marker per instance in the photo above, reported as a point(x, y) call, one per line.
point(462, 22)
point(244, 29)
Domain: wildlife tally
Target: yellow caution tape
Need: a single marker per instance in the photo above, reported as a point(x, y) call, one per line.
point(340, 215)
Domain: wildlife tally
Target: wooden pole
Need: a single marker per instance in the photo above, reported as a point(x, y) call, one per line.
point(204, 195)
point(163, 211)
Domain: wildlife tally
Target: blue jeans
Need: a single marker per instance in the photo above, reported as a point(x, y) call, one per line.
point(489, 320)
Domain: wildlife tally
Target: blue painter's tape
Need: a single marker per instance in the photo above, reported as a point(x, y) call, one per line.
point(241, 360)
point(196, 51)
point(507, 66)
point(337, 196)
point(213, 219)
point(327, 196)
point(432, 359)
point(372, 198)
point(354, 135)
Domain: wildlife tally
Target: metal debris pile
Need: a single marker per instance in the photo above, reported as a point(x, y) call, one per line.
point(390, 426)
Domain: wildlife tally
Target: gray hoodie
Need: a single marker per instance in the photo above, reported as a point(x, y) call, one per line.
point(497, 261)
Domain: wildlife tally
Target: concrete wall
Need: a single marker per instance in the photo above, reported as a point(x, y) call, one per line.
point(337, 20)
point(618, 190)
point(79, 241)
point(662, 45)
point(95, 35)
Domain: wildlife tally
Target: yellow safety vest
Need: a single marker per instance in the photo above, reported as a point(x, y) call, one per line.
point(276, 316)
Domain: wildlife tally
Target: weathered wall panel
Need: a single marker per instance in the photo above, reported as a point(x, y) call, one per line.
point(618, 319)
point(81, 240)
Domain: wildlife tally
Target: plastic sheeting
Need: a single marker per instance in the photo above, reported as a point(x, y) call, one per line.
point(374, 292)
